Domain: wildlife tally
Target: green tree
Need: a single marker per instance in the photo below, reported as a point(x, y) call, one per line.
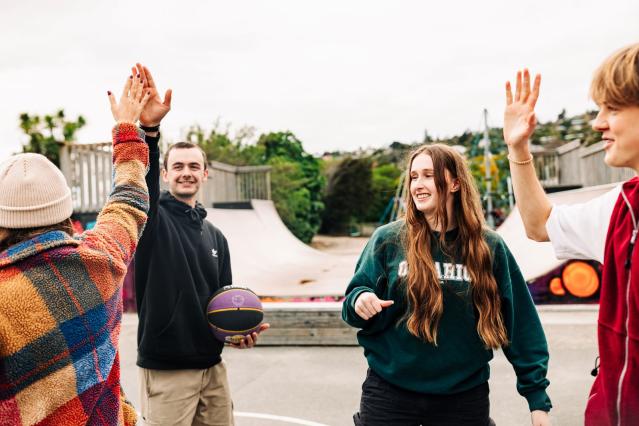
point(297, 182)
point(220, 146)
point(48, 132)
point(384, 181)
point(348, 195)
point(499, 171)
point(292, 200)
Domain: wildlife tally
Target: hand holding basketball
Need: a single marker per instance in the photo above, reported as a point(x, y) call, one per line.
point(250, 340)
point(368, 305)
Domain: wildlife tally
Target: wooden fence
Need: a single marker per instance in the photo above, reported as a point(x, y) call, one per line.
point(574, 165)
point(88, 170)
point(228, 183)
point(547, 168)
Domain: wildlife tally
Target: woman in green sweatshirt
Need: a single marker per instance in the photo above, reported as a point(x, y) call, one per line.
point(433, 294)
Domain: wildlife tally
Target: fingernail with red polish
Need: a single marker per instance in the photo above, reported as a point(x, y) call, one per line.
point(109, 92)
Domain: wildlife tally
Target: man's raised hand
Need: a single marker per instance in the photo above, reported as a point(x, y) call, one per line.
point(157, 107)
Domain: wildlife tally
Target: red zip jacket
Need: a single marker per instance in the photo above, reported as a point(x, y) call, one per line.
point(614, 397)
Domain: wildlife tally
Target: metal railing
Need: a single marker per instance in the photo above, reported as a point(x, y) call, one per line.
point(228, 183)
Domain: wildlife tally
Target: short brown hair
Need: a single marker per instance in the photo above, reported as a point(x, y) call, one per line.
point(16, 236)
point(616, 81)
point(184, 145)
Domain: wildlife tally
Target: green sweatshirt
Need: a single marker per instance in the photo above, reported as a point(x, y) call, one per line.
point(460, 361)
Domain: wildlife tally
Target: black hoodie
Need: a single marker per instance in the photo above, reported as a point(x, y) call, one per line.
point(182, 259)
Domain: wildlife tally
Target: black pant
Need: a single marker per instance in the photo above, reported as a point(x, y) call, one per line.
point(384, 404)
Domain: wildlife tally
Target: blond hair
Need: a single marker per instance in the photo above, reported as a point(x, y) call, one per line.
point(616, 81)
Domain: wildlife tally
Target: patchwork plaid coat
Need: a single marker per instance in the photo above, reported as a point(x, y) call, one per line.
point(61, 308)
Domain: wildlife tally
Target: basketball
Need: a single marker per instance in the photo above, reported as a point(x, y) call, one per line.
point(234, 312)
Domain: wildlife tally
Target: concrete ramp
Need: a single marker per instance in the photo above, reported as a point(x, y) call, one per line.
point(267, 258)
point(536, 259)
point(267, 214)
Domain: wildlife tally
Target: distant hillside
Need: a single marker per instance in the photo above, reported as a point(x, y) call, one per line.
point(549, 134)
point(344, 170)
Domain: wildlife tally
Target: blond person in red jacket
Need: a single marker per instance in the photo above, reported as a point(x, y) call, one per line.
point(604, 229)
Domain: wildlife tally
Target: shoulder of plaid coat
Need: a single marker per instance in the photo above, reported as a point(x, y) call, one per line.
point(61, 308)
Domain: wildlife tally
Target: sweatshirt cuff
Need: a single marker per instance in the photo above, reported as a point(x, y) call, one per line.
point(538, 400)
point(128, 144)
point(126, 132)
point(152, 141)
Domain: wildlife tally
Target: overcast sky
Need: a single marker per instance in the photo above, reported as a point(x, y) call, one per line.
point(339, 74)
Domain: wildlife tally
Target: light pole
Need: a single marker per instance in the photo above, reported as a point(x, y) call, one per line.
point(489, 198)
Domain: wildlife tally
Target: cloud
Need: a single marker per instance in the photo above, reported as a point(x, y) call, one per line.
point(339, 74)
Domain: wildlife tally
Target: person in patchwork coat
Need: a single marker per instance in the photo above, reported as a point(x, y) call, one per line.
point(61, 295)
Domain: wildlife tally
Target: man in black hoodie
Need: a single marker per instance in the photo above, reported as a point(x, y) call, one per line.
point(182, 259)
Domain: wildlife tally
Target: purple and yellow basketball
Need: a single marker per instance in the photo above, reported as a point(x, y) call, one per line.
point(234, 312)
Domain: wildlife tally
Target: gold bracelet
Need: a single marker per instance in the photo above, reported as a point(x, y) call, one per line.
point(521, 163)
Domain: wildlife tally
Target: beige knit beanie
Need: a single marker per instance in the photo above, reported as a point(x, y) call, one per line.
point(33, 193)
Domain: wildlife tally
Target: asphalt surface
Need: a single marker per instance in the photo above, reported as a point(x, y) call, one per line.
point(278, 386)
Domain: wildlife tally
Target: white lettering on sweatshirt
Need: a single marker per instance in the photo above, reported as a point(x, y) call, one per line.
point(445, 271)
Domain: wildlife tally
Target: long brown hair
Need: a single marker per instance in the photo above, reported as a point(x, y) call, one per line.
point(16, 236)
point(424, 291)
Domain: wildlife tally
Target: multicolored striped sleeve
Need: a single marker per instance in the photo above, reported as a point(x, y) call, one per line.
point(121, 221)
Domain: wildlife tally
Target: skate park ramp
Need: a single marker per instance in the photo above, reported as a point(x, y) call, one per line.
point(270, 260)
point(534, 258)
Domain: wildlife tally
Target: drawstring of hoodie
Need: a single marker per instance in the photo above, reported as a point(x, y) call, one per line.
point(197, 215)
point(193, 214)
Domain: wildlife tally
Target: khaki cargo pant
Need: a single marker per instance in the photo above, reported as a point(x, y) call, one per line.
point(186, 397)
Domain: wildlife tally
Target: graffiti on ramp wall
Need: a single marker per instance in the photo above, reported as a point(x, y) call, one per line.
point(575, 281)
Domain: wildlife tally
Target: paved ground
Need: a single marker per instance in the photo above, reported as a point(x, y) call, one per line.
point(339, 245)
point(321, 385)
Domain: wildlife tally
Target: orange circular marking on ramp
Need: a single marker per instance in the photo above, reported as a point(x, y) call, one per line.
point(556, 287)
point(580, 279)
